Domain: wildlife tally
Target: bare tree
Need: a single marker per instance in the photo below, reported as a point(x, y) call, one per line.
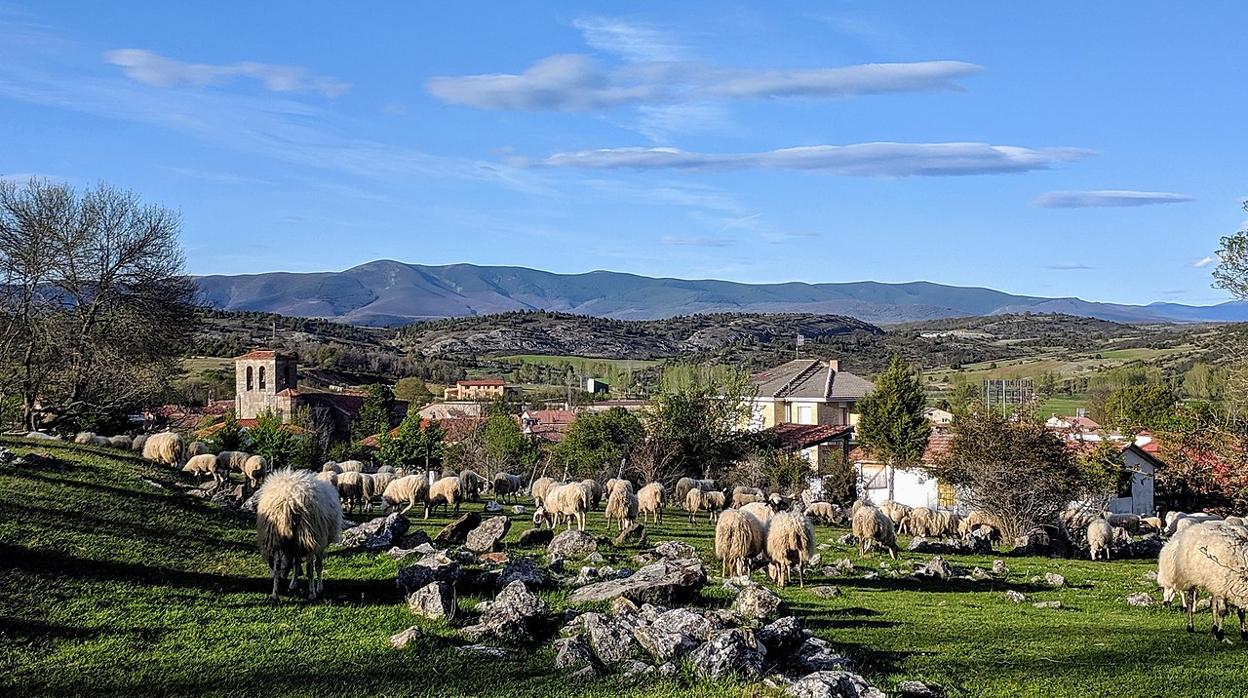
point(95, 308)
point(655, 461)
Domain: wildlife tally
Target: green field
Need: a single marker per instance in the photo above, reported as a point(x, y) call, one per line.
point(195, 365)
point(114, 583)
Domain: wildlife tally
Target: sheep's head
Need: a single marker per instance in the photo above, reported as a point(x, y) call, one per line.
point(539, 515)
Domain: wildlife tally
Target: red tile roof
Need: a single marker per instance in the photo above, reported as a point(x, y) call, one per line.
point(938, 442)
point(800, 436)
point(258, 354)
point(482, 383)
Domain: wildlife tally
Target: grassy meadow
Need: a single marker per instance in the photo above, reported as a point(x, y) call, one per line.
point(114, 582)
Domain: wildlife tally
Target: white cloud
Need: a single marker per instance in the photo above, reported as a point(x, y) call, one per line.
point(1106, 198)
point(861, 159)
point(154, 69)
point(1069, 266)
point(1205, 261)
point(632, 41)
point(575, 82)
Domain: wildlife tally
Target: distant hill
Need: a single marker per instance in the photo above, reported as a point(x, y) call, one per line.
point(386, 292)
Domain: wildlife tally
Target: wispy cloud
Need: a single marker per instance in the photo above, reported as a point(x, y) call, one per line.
point(1069, 266)
point(576, 82)
point(1205, 261)
point(861, 159)
point(696, 241)
point(1106, 198)
point(151, 68)
point(630, 40)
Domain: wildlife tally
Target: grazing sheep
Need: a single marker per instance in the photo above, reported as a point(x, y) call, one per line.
point(350, 489)
point(563, 503)
point(738, 537)
point(254, 469)
point(232, 460)
point(352, 466)
point(896, 512)
point(331, 467)
point(447, 491)
point(328, 476)
point(921, 521)
point(825, 512)
point(1177, 523)
point(683, 485)
point(698, 500)
point(471, 484)
point(297, 517)
point(165, 448)
point(47, 437)
point(102, 441)
point(84, 438)
point(1234, 521)
point(1153, 524)
point(650, 500)
point(1211, 557)
point(507, 484)
point(977, 519)
point(410, 490)
point(790, 541)
point(368, 489)
point(742, 495)
point(381, 481)
point(1100, 538)
point(871, 527)
point(386, 469)
point(595, 491)
point(760, 511)
point(203, 465)
point(622, 505)
point(1132, 522)
point(122, 442)
point(138, 442)
point(196, 448)
point(948, 523)
point(540, 488)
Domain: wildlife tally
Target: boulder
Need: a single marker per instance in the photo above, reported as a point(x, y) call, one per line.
point(633, 534)
point(493, 558)
point(534, 537)
point(936, 568)
point(728, 653)
point(405, 638)
point(514, 616)
point(436, 567)
point(414, 539)
point(1036, 542)
point(1015, 596)
point(662, 644)
point(572, 653)
point(999, 568)
point(979, 574)
point(757, 602)
point(488, 537)
point(595, 558)
point(483, 651)
point(832, 684)
point(663, 582)
point(847, 539)
point(518, 509)
point(522, 569)
point(676, 550)
point(815, 654)
point(826, 592)
point(781, 636)
point(1054, 579)
point(918, 689)
point(493, 507)
point(572, 544)
point(456, 532)
point(1048, 604)
point(435, 601)
point(611, 639)
point(685, 621)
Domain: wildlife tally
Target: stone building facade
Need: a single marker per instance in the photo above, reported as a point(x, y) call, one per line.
point(261, 377)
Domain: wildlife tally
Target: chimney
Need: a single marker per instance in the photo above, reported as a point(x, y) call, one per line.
point(834, 364)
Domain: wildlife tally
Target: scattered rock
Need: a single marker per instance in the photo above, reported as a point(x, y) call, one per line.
point(456, 532)
point(403, 639)
point(534, 537)
point(1036, 543)
point(1150, 576)
point(588, 673)
point(969, 545)
point(572, 544)
point(918, 689)
point(518, 509)
point(663, 644)
point(832, 684)
point(1141, 600)
point(492, 507)
point(1054, 580)
point(483, 650)
point(935, 568)
point(435, 567)
point(524, 570)
point(513, 617)
point(757, 602)
point(634, 668)
point(595, 558)
point(1015, 596)
point(979, 574)
point(815, 654)
point(827, 592)
point(728, 653)
point(612, 640)
point(573, 653)
point(781, 636)
point(488, 536)
point(435, 601)
point(663, 582)
point(999, 568)
point(676, 550)
point(633, 534)
point(493, 558)
point(847, 539)
point(1047, 604)
point(687, 622)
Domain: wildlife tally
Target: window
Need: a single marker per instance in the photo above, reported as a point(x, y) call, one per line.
point(1125, 481)
point(945, 495)
point(249, 378)
point(262, 378)
point(290, 375)
point(805, 414)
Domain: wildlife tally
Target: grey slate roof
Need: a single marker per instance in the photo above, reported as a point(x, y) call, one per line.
point(810, 379)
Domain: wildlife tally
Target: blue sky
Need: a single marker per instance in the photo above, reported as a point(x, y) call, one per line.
point(1093, 150)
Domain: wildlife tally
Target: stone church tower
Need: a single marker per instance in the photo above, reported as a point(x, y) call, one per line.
point(265, 379)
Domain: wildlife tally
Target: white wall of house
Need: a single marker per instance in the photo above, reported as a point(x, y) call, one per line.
point(910, 486)
point(1142, 482)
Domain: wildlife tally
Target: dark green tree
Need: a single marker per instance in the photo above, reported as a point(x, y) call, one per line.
point(230, 437)
point(599, 442)
point(1140, 406)
point(700, 410)
point(891, 421)
point(504, 444)
point(273, 440)
point(374, 414)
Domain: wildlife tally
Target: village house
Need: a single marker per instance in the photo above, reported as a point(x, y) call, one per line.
point(479, 389)
point(806, 391)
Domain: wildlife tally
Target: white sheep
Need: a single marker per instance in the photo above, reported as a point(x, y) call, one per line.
point(921, 521)
point(981, 519)
point(506, 484)
point(386, 469)
point(896, 512)
point(948, 523)
point(350, 489)
point(297, 517)
point(596, 491)
point(84, 438)
point(1181, 521)
point(738, 537)
point(331, 467)
point(683, 485)
point(43, 437)
point(380, 482)
point(871, 527)
point(650, 501)
point(351, 466)
point(410, 490)
point(563, 503)
point(825, 512)
point(447, 492)
point(101, 441)
point(540, 488)
point(196, 448)
point(1100, 538)
point(205, 464)
point(697, 500)
point(790, 541)
point(1213, 557)
point(328, 476)
point(254, 469)
point(165, 448)
point(1134, 523)
point(760, 511)
point(233, 461)
point(742, 495)
point(621, 505)
point(122, 442)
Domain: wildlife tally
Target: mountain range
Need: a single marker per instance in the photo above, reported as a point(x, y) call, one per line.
point(387, 292)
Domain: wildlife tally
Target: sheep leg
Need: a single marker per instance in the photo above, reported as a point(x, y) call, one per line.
point(1218, 609)
point(275, 571)
point(1190, 607)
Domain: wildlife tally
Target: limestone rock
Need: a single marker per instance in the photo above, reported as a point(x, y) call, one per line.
point(572, 653)
point(572, 544)
point(513, 616)
point(728, 653)
point(781, 636)
point(633, 534)
point(826, 592)
point(676, 550)
point(522, 569)
point(406, 637)
point(456, 532)
point(661, 583)
point(757, 602)
point(612, 640)
point(489, 535)
point(1141, 600)
point(436, 567)
point(815, 654)
point(1015, 596)
point(435, 601)
point(832, 684)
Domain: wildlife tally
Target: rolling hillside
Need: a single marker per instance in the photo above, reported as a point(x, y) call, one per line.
point(387, 292)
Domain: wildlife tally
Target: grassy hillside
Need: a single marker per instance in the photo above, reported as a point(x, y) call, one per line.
point(113, 582)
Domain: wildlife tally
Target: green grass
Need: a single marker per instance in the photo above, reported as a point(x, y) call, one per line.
point(113, 582)
point(1062, 405)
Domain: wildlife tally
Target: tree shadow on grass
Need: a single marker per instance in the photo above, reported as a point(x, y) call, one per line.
point(87, 524)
